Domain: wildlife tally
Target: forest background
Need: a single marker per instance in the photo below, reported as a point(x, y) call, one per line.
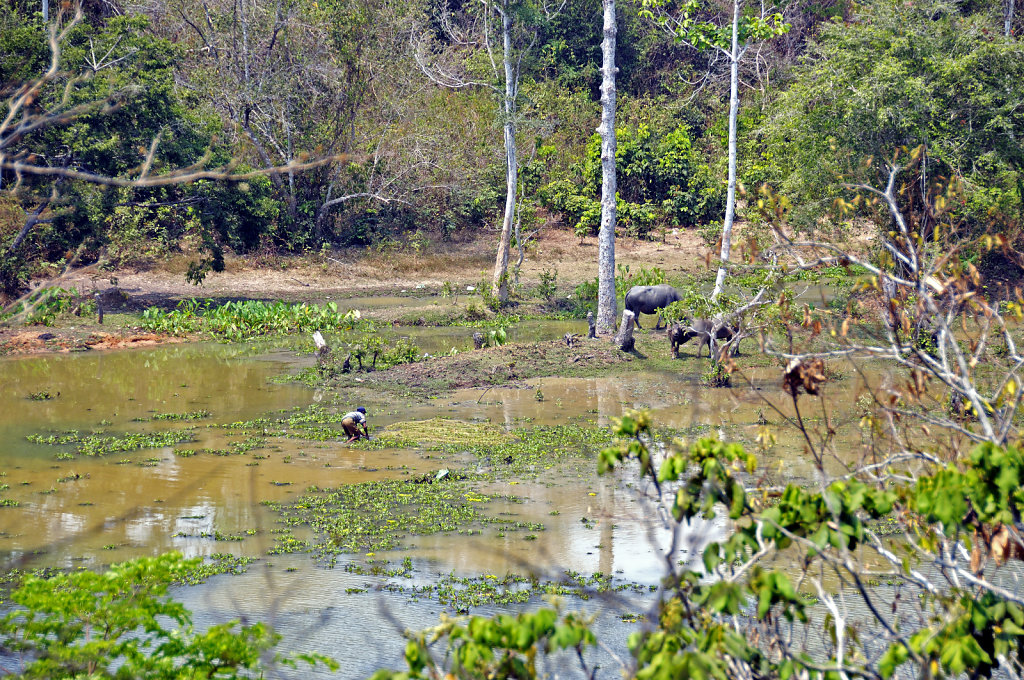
point(407, 156)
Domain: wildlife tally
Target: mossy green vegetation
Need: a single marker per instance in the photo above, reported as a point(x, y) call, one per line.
point(441, 432)
point(519, 453)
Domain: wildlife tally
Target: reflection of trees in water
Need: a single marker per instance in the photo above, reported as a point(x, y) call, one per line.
point(111, 382)
point(611, 399)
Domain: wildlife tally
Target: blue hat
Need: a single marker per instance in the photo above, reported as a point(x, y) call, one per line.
point(361, 409)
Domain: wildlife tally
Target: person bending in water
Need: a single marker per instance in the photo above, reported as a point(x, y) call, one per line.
point(351, 423)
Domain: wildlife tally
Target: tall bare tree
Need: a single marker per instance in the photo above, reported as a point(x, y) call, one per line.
point(705, 28)
point(511, 73)
point(442, 58)
point(606, 307)
point(735, 53)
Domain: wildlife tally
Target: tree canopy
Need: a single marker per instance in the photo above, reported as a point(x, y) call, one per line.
point(158, 88)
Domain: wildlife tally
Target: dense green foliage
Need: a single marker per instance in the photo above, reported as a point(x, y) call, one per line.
point(902, 74)
point(123, 624)
point(662, 184)
point(119, 80)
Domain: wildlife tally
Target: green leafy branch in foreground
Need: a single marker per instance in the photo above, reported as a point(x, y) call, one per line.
point(42, 307)
point(122, 624)
point(501, 647)
point(971, 622)
point(735, 614)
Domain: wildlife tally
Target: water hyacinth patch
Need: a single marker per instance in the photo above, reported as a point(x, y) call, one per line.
point(215, 564)
point(463, 592)
point(241, 320)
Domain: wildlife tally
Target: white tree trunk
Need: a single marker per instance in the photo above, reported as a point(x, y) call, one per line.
point(734, 107)
point(500, 286)
point(1008, 20)
point(606, 307)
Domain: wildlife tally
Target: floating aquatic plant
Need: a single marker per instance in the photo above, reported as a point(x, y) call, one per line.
point(236, 321)
point(100, 445)
point(376, 516)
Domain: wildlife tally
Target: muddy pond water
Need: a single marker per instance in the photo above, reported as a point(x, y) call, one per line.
point(65, 509)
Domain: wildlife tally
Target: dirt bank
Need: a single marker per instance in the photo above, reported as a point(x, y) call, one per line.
point(36, 340)
point(505, 365)
point(339, 275)
point(365, 271)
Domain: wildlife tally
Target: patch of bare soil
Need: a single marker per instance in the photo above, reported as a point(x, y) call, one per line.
point(35, 341)
point(365, 271)
point(355, 272)
point(505, 365)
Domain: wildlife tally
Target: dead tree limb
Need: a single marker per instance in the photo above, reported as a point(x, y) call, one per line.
point(624, 339)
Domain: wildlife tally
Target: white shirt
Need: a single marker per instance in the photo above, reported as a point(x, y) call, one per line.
point(356, 416)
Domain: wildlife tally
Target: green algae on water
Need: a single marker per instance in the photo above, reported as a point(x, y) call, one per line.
point(441, 433)
point(519, 453)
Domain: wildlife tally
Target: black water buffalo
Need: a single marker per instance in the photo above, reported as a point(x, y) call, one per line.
point(650, 299)
point(681, 333)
